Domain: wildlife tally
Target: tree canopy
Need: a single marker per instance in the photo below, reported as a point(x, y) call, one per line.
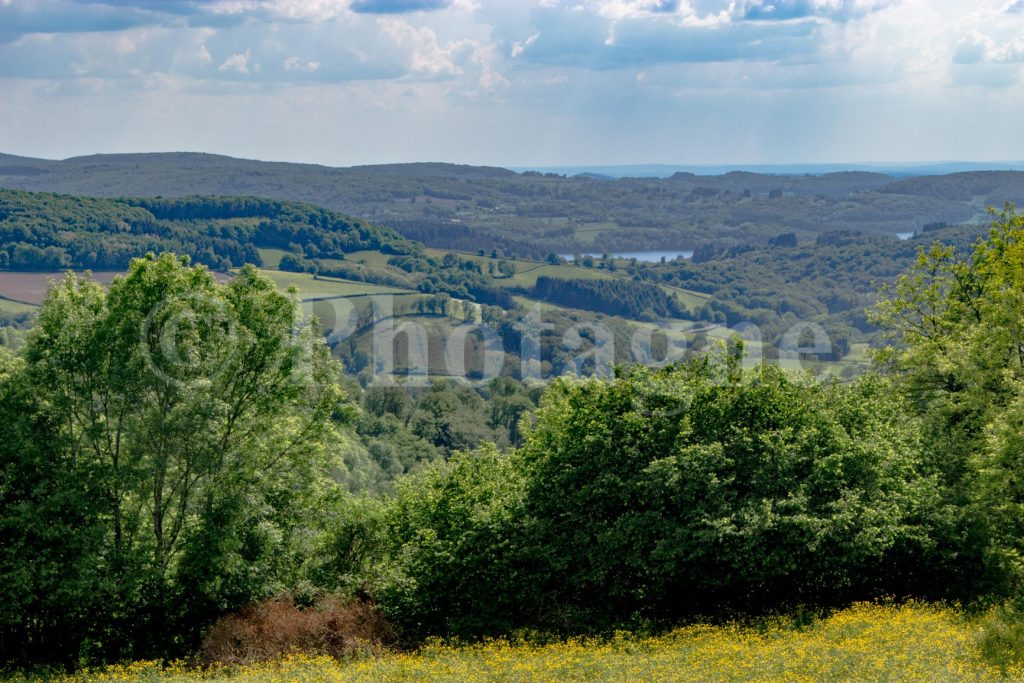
point(161, 440)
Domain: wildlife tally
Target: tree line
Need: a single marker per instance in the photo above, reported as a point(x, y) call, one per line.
point(622, 297)
point(52, 232)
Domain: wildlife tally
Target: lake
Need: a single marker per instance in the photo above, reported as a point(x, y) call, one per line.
point(647, 256)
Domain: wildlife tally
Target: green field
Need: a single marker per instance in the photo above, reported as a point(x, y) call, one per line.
point(271, 257)
point(15, 307)
point(527, 272)
point(587, 232)
point(313, 288)
point(369, 258)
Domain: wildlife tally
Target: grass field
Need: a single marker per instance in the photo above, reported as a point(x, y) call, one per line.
point(527, 272)
point(369, 258)
point(914, 642)
point(271, 257)
point(312, 288)
point(15, 307)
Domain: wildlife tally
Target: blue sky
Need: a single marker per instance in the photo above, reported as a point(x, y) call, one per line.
point(530, 82)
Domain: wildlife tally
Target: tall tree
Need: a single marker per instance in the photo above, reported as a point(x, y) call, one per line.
point(958, 323)
point(205, 413)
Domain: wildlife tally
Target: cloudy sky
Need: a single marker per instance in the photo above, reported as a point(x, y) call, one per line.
point(516, 82)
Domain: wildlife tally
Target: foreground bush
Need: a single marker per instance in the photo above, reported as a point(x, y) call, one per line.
point(914, 642)
point(703, 487)
point(275, 628)
point(659, 495)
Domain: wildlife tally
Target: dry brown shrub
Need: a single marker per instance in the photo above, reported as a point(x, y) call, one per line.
point(268, 630)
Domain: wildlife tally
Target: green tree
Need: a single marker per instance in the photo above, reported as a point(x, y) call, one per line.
point(51, 509)
point(455, 548)
point(957, 320)
point(665, 493)
point(205, 414)
point(662, 494)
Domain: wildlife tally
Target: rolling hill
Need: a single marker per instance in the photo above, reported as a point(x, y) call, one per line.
point(533, 214)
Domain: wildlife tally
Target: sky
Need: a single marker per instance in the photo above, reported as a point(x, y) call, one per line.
point(516, 82)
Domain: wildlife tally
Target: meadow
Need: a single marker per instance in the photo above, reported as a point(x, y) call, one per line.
point(865, 642)
point(324, 287)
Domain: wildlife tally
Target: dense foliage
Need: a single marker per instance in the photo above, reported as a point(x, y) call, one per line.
point(665, 494)
point(53, 232)
point(958, 318)
point(638, 300)
point(831, 280)
point(160, 444)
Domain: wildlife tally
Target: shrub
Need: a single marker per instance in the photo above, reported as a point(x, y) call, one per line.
point(455, 562)
point(704, 488)
point(663, 494)
point(268, 630)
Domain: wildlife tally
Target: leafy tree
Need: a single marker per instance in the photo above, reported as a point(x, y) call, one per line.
point(51, 509)
point(203, 415)
point(958, 323)
point(663, 494)
point(454, 538)
point(700, 487)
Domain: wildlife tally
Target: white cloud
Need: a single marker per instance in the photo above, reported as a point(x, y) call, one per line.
point(519, 47)
point(977, 48)
point(296, 64)
point(425, 55)
point(544, 65)
point(238, 62)
point(625, 9)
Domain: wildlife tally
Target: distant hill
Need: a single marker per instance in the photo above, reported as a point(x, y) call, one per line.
point(44, 231)
point(897, 170)
point(990, 187)
point(536, 213)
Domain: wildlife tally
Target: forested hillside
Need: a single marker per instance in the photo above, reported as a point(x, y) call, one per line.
point(530, 214)
point(51, 232)
point(829, 281)
point(832, 280)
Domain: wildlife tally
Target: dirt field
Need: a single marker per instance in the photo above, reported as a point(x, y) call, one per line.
point(30, 288)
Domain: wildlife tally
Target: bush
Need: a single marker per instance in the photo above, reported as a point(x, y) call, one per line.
point(268, 630)
point(455, 562)
point(702, 488)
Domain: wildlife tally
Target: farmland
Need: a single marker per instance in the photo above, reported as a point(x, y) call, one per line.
point(310, 287)
point(338, 303)
point(30, 288)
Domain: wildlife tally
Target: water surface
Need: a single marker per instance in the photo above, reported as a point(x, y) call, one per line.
point(646, 256)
